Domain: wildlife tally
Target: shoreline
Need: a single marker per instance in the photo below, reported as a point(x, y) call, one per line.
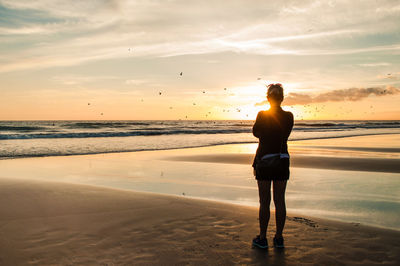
point(294, 215)
point(384, 165)
point(293, 142)
point(113, 208)
point(380, 150)
point(309, 220)
point(225, 175)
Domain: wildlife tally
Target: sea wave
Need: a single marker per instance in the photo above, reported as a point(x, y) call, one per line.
point(109, 129)
point(21, 128)
point(320, 124)
point(138, 132)
point(65, 147)
point(348, 125)
point(104, 124)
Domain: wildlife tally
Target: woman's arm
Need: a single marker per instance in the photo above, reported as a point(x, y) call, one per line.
point(291, 122)
point(257, 128)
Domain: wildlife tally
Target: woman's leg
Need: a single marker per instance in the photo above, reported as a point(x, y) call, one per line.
point(279, 187)
point(264, 192)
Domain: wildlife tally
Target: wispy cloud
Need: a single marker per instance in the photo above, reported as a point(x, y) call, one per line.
point(79, 80)
point(23, 30)
point(136, 82)
point(377, 64)
point(390, 76)
point(351, 94)
point(81, 31)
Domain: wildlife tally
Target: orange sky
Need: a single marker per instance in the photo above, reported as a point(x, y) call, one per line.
point(110, 60)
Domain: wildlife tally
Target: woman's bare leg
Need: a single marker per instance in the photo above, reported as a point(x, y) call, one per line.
point(264, 192)
point(279, 187)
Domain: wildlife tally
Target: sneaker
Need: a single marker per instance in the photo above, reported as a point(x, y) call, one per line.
point(278, 242)
point(260, 243)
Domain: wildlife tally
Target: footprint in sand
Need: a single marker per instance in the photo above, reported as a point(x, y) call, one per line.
point(302, 220)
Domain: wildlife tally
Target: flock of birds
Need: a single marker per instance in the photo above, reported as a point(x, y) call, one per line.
point(309, 110)
point(204, 92)
point(313, 111)
point(171, 107)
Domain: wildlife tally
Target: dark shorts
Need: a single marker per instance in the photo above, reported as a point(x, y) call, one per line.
point(282, 173)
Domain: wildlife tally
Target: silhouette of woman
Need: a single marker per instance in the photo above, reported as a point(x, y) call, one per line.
point(272, 128)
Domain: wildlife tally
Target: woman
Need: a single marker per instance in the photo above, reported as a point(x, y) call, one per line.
point(272, 128)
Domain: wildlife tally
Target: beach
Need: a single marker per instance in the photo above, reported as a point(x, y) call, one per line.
point(47, 223)
point(198, 206)
point(128, 132)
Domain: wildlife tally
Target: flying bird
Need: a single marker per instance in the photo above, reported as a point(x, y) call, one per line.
point(159, 93)
point(181, 73)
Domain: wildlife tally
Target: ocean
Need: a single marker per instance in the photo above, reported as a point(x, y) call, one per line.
point(58, 138)
point(351, 196)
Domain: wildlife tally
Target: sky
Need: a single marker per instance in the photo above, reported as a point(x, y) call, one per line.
point(120, 59)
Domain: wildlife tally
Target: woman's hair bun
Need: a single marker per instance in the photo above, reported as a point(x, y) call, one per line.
point(275, 90)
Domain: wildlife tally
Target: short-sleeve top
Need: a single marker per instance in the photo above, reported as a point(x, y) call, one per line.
point(272, 128)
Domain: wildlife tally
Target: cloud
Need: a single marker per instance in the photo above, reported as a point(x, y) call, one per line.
point(351, 94)
point(377, 64)
point(390, 76)
point(136, 82)
point(81, 31)
point(78, 80)
point(23, 30)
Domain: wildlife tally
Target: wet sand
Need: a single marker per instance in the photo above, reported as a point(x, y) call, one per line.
point(83, 210)
point(305, 161)
point(362, 153)
point(47, 223)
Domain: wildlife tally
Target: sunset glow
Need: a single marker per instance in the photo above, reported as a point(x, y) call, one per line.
point(123, 59)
